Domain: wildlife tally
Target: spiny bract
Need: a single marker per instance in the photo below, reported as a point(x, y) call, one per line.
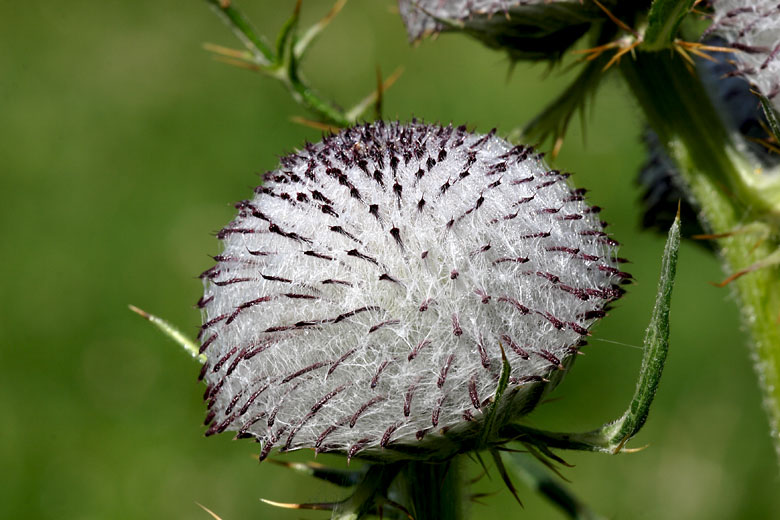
point(364, 294)
point(753, 28)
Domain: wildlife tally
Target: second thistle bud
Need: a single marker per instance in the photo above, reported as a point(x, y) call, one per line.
point(528, 29)
point(365, 293)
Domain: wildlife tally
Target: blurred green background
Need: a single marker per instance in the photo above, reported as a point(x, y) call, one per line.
point(122, 145)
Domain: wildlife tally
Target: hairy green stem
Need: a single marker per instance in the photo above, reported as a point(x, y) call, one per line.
point(730, 197)
point(243, 30)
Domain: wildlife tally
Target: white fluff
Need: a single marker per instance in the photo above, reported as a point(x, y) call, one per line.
point(753, 27)
point(313, 271)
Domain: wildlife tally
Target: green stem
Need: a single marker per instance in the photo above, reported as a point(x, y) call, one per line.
point(243, 30)
point(725, 189)
point(431, 491)
point(283, 65)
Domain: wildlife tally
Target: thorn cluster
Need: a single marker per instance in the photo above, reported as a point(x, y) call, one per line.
point(364, 293)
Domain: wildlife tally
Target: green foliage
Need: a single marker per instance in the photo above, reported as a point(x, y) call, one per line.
point(663, 23)
point(771, 116)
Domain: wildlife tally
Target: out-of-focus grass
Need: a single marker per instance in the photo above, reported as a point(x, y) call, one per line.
point(122, 145)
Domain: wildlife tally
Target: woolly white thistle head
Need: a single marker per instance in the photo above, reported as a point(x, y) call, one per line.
point(365, 293)
point(753, 28)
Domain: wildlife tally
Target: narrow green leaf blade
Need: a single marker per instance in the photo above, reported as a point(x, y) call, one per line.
point(287, 33)
point(771, 116)
point(656, 347)
point(505, 475)
point(503, 382)
point(664, 21)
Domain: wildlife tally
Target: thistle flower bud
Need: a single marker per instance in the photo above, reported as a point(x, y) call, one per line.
point(365, 293)
point(528, 29)
point(742, 115)
point(752, 27)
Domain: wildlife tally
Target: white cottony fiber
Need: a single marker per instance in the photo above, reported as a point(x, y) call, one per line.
point(364, 293)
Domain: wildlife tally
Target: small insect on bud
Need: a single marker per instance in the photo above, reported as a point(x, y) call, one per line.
point(344, 316)
point(752, 28)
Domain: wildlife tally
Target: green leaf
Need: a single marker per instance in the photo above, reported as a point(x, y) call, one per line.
point(656, 347)
point(664, 21)
point(287, 34)
point(503, 382)
point(771, 116)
